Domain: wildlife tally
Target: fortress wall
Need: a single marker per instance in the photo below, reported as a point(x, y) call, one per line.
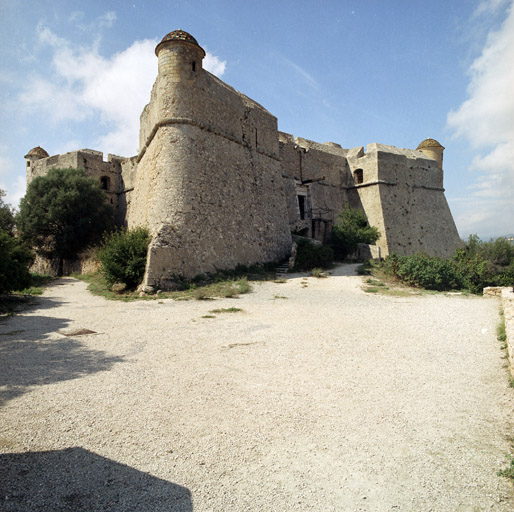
point(322, 171)
point(369, 165)
point(158, 180)
point(327, 197)
point(366, 196)
point(405, 165)
point(217, 205)
point(127, 180)
point(42, 166)
point(369, 200)
point(218, 185)
point(416, 214)
point(325, 147)
point(418, 220)
point(208, 185)
point(89, 160)
point(403, 197)
point(207, 102)
point(290, 170)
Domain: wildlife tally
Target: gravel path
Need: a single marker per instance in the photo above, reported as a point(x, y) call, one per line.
point(313, 398)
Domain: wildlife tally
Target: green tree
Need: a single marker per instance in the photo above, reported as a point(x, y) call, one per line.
point(6, 215)
point(350, 229)
point(62, 213)
point(15, 257)
point(123, 256)
point(15, 260)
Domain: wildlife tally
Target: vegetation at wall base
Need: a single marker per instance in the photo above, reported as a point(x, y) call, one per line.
point(478, 265)
point(508, 472)
point(423, 271)
point(486, 263)
point(310, 255)
point(122, 256)
point(350, 229)
point(221, 288)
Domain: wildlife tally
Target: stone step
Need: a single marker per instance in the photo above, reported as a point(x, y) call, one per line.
point(281, 270)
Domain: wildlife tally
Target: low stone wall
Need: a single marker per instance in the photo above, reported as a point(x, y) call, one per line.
point(86, 263)
point(507, 296)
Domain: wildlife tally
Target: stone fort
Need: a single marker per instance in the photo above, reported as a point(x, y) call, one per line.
point(218, 185)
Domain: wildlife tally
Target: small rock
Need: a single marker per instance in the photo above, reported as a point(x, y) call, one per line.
point(118, 287)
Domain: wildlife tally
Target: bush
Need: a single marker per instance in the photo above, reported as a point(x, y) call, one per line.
point(15, 260)
point(310, 255)
point(424, 271)
point(473, 267)
point(486, 263)
point(350, 229)
point(432, 273)
point(123, 256)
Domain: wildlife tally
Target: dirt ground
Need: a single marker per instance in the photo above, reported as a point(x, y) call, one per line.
point(316, 396)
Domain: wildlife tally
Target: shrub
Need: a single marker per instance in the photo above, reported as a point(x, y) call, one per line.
point(350, 229)
point(123, 256)
point(318, 272)
point(310, 255)
point(486, 263)
point(15, 260)
point(424, 271)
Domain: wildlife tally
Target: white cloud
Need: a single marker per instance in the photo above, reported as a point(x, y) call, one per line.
point(485, 120)
point(486, 6)
point(213, 64)
point(114, 90)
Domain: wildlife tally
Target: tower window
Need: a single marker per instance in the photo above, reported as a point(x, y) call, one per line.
point(358, 176)
point(28, 163)
point(193, 66)
point(105, 182)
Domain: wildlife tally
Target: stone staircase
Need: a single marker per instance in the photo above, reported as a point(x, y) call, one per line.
point(281, 271)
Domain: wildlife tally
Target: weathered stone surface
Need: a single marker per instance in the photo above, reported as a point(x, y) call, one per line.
point(507, 296)
point(492, 291)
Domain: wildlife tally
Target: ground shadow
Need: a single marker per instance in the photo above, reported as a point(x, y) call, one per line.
point(77, 480)
point(30, 357)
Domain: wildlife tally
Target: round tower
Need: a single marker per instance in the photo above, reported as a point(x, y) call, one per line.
point(32, 156)
point(35, 154)
point(432, 149)
point(180, 56)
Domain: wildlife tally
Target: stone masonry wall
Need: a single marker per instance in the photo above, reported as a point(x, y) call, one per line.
point(507, 296)
point(320, 170)
point(89, 160)
point(402, 195)
point(208, 182)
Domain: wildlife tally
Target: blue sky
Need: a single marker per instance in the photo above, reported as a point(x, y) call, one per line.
point(77, 74)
